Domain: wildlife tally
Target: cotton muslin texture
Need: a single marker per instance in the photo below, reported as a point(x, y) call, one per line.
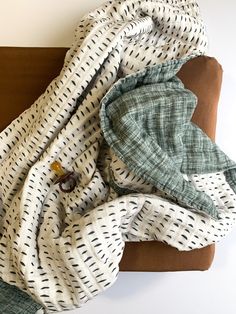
point(146, 119)
point(64, 249)
point(15, 301)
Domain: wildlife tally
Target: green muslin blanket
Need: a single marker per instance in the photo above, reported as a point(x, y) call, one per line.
point(15, 301)
point(146, 120)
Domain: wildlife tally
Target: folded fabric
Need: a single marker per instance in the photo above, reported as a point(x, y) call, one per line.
point(15, 301)
point(65, 248)
point(146, 119)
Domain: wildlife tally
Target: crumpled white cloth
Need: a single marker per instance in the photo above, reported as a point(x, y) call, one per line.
point(63, 249)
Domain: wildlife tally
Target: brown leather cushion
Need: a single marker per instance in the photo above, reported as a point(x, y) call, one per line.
point(25, 74)
point(203, 76)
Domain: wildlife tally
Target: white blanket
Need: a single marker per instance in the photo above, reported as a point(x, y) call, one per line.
point(65, 248)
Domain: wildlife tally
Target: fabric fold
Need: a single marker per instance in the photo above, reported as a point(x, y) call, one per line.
point(146, 120)
point(63, 249)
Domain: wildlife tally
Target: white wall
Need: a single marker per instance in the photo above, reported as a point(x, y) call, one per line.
point(51, 23)
point(41, 22)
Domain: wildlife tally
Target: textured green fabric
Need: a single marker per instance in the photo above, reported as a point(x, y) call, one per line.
point(146, 119)
point(15, 301)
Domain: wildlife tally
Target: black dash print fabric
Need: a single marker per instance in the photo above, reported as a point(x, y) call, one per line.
point(63, 249)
